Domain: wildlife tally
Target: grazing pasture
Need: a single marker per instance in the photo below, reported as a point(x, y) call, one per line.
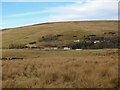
point(66, 31)
point(60, 69)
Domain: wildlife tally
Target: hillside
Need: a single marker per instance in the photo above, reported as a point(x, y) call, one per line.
point(92, 66)
point(27, 34)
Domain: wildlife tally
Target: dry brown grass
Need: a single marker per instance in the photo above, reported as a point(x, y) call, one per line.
point(30, 33)
point(91, 71)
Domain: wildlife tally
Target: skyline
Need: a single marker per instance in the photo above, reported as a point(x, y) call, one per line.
point(16, 14)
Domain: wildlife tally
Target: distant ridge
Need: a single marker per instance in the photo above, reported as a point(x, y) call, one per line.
point(62, 22)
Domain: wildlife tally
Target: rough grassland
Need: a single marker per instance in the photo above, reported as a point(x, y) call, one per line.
point(31, 33)
point(61, 69)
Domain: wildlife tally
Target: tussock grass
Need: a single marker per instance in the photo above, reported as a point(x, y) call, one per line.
point(63, 71)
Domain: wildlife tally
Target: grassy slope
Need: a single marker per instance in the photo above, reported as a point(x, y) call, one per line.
point(32, 33)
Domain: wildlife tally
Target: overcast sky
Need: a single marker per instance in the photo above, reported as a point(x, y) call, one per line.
point(16, 14)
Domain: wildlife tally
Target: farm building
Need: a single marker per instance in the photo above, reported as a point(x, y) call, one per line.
point(50, 48)
point(66, 48)
point(76, 40)
point(78, 49)
point(97, 41)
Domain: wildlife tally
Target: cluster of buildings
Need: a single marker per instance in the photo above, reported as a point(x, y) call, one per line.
point(47, 48)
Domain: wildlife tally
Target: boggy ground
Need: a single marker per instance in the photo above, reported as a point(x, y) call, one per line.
point(61, 69)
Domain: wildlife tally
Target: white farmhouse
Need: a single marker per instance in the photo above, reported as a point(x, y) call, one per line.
point(55, 48)
point(97, 41)
point(66, 48)
point(76, 40)
point(78, 49)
